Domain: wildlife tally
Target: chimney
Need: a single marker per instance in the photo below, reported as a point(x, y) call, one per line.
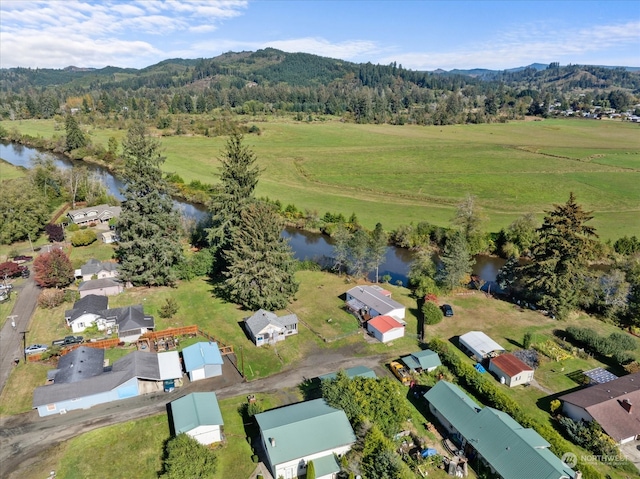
point(273, 441)
point(578, 475)
point(626, 404)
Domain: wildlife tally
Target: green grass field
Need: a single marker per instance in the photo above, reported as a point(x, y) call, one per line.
point(401, 174)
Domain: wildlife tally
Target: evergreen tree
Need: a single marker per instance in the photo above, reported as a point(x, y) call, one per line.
point(261, 267)
point(186, 458)
point(555, 277)
point(149, 227)
point(378, 242)
point(469, 219)
point(75, 137)
point(238, 177)
point(456, 262)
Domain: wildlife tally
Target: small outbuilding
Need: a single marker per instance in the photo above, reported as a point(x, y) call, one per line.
point(385, 328)
point(202, 360)
point(100, 287)
point(356, 371)
point(510, 370)
point(479, 345)
point(198, 415)
point(422, 361)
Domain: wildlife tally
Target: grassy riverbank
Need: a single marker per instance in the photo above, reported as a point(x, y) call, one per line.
point(401, 174)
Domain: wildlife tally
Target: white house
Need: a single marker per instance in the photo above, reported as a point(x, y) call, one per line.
point(94, 214)
point(198, 415)
point(510, 370)
point(294, 435)
point(95, 269)
point(385, 328)
point(264, 327)
point(372, 301)
point(202, 360)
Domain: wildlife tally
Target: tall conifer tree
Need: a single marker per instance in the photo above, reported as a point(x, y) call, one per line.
point(149, 228)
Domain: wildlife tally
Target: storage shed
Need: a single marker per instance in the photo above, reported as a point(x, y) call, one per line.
point(479, 345)
point(510, 370)
point(199, 416)
point(385, 328)
point(202, 360)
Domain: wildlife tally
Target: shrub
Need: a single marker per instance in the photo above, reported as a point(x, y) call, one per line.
point(51, 298)
point(73, 227)
point(83, 238)
point(554, 406)
point(526, 340)
point(169, 309)
point(431, 312)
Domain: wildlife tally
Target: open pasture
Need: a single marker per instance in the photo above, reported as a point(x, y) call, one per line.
point(401, 174)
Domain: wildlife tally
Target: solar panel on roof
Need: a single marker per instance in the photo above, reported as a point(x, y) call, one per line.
point(600, 376)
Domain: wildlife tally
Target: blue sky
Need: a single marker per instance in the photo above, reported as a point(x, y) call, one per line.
point(420, 35)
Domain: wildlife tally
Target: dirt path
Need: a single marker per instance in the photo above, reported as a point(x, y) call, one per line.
point(26, 437)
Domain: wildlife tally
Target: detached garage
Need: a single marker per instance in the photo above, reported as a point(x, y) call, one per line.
point(510, 370)
point(202, 360)
point(199, 416)
point(385, 328)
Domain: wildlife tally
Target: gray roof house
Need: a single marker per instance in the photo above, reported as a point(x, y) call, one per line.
point(420, 361)
point(356, 371)
point(95, 269)
point(94, 214)
point(502, 443)
point(198, 415)
point(102, 287)
point(372, 301)
point(82, 380)
point(289, 446)
point(129, 321)
point(264, 327)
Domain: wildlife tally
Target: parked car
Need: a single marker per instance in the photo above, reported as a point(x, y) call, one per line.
point(400, 372)
point(35, 348)
point(447, 310)
point(22, 259)
point(67, 340)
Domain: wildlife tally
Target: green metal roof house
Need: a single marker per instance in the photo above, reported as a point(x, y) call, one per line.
point(420, 361)
point(512, 452)
point(199, 416)
point(308, 431)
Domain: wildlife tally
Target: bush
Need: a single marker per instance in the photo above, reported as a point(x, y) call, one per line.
point(432, 313)
point(526, 340)
point(51, 298)
point(83, 238)
point(169, 309)
point(73, 228)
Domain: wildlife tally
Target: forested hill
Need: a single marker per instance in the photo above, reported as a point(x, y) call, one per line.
point(301, 82)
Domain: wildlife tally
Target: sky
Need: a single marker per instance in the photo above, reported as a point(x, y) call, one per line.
point(419, 34)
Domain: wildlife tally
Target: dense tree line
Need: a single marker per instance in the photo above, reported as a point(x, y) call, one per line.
point(271, 81)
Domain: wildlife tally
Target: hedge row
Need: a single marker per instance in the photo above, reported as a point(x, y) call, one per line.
point(487, 390)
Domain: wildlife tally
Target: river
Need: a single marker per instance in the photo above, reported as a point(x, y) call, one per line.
point(305, 244)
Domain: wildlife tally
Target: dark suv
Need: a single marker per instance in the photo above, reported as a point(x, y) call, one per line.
point(447, 310)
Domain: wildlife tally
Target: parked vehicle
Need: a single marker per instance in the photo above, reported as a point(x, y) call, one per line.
point(169, 385)
point(35, 348)
point(67, 340)
point(22, 259)
point(400, 372)
point(447, 310)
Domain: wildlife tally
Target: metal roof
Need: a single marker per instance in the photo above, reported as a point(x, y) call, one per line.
point(384, 324)
point(194, 410)
point(287, 430)
point(374, 299)
point(479, 343)
point(510, 365)
point(169, 365)
point(509, 448)
point(199, 354)
point(425, 359)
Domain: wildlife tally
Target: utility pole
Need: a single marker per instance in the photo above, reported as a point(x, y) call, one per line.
point(24, 344)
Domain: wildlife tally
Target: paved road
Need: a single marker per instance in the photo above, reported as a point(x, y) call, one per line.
point(25, 437)
point(11, 345)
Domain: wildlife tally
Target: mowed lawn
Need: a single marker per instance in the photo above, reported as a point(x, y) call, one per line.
point(402, 174)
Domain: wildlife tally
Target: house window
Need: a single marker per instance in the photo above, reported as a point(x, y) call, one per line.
point(51, 407)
